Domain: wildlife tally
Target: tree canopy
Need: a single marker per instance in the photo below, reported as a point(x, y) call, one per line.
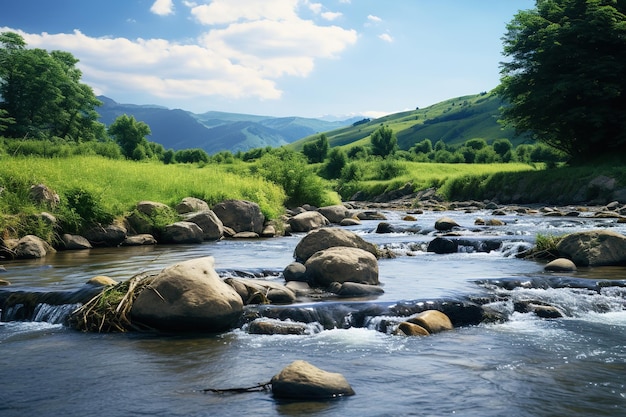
point(41, 93)
point(384, 141)
point(565, 78)
point(131, 136)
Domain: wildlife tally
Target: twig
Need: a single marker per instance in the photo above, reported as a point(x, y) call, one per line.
point(261, 387)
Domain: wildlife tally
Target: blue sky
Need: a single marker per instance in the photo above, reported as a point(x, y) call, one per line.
point(306, 58)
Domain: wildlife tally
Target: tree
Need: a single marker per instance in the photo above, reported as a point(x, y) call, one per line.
point(502, 147)
point(337, 160)
point(43, 95)
point(316, 151)
point(384, 141)
point(425, 146)
point(565, 80)
point(130, 135)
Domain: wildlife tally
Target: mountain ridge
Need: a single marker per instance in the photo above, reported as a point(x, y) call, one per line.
point(216, 131)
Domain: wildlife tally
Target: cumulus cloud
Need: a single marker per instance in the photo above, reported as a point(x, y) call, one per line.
point(247, 47)
point(162, 7)
point(374, 19)
point(386, 37)
point(331, 15)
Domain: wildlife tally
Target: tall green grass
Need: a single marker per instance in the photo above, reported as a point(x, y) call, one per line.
point(119, 184)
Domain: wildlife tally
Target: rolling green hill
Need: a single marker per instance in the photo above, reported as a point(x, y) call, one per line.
point(453, 121)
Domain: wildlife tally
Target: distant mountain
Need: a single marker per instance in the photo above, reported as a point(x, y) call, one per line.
point(453, 121)
point(216, 131)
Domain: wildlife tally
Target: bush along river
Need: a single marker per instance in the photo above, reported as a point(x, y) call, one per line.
point(555, 343)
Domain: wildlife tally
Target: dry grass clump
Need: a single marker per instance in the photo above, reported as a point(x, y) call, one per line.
point(109, 311)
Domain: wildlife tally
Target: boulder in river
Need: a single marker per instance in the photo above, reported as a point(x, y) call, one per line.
point(329, 237)
point(240, 215)
point(442, 245)
point(434, 321)
point(560, 265)
point(307, 221)
point(445, 224)
point(334, 214)
point(302, 381)
point(342, 264)
point(594, 248)
point(188, 296)
point(256, 291)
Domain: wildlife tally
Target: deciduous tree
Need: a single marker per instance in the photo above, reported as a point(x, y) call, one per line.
point(565, 77)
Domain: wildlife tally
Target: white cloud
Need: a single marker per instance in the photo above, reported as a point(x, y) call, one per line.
point(331, 15)
point(386, 37)
point(243, 53)
point(374, 19)
point(231, 11)
point(162, 7)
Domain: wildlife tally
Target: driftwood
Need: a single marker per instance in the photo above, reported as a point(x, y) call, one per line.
point(261, 387)
point(109, 310)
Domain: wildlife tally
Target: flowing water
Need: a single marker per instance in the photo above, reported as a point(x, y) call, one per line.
point(525, 366)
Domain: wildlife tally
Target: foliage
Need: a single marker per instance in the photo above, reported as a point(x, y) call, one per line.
point(564, 79)
point(131, 136)
point(316, 151)
point(83, 209)
point(337, 160)
point(289, 170)
point(42, 95)
point(384, 141)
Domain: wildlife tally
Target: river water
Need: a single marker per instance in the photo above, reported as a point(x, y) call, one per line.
point(525, 366)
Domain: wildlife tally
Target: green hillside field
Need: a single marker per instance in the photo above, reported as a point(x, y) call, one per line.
point(453, 121)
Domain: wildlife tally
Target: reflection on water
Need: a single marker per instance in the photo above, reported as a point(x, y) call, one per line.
point(523, 367)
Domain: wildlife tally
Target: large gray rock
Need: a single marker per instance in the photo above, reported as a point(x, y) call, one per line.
point(442, 245)
point(182, 232)
point(307, 221)
point(31, 247)
point(150, 208)
point(355, 290)
point(212, 227)
point(342, 264)
point(188, 296)
point(594, 248)
point(75, 242)
point(320, 239)
point(256, 291)
point(334, 214)
point(240, 215)
point(111, 235)
point(303, 381)
point(191, 204)
point(41, 194)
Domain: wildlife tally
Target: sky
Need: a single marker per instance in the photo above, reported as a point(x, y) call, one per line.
point(307, 58)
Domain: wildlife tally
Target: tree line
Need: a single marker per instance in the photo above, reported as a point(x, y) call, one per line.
point(564, 83)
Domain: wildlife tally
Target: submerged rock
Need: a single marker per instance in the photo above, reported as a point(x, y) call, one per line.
point(270, 326)
point(561, 265)
point(410, 329)
point(434, 321)
point(303, 381)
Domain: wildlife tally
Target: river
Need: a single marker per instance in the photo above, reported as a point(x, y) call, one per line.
point(525, 366)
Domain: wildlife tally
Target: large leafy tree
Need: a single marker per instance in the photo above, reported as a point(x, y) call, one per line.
point(565, 78)
point(42, 93)
point(130, 134)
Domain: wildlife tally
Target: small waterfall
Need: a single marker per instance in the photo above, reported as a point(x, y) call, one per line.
point(54, 314)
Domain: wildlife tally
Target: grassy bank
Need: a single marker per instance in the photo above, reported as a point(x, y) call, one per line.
point(379, 177)
point(115, 186)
